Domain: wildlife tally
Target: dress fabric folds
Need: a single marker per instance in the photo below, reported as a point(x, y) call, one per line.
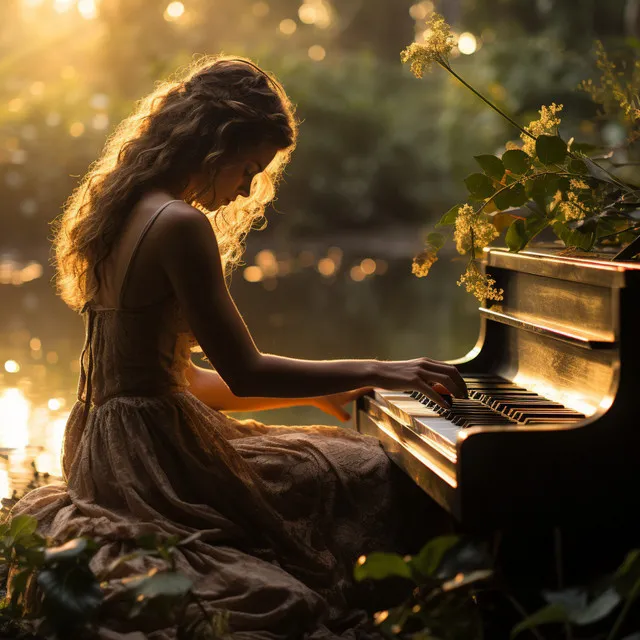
point(283, 511)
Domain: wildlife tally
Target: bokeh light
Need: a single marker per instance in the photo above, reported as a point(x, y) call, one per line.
point(11, 366)
point(252, 274)
point(62, 6)
point(76, 129)
point(260, 9)
point(287, 27)
point(88, 9)
point(467, 43)
point(174, 11)
point(317, 53)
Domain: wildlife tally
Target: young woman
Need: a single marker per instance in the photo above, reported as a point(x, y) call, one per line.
point(143, 250)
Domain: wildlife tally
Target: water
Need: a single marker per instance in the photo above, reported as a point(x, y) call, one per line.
point(314, 301)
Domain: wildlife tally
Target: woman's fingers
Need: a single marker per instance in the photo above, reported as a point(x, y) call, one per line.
point(448, 383)
point(432, 394)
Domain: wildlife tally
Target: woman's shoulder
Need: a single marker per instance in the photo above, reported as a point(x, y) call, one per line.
point(176, 218)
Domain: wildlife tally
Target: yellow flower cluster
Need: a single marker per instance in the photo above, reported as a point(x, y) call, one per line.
point(438, 44)
point(423, 262)
point(546, 125)
point(572, 207)
point(479, 284)
point(471, 224)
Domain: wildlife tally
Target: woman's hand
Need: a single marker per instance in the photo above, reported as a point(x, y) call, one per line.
point(430, 377)
point(333, 404)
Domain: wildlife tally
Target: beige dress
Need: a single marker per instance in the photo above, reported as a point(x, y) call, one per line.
point(283, 511)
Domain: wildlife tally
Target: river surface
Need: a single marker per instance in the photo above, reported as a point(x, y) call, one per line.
point(311, 300)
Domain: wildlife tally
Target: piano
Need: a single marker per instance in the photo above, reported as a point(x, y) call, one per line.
point(549, 433)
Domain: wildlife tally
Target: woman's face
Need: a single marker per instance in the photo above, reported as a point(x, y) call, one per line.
point(234, 178)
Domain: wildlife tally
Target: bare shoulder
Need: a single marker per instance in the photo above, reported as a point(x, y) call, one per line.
point(179, 222)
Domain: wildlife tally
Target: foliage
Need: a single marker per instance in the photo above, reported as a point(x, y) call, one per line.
point(451, 574)
point(70, 597)
point(545, 182)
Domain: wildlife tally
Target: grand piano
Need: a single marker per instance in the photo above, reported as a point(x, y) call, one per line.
point(549, 433)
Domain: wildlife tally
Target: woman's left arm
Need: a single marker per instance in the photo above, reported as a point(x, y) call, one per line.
point(210, 388)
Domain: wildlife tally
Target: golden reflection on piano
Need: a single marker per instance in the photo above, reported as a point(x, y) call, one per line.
point(548, 433)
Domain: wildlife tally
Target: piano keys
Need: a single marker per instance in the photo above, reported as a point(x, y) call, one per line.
point(549, 432)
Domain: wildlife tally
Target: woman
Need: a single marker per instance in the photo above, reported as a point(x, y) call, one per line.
point(142, 249)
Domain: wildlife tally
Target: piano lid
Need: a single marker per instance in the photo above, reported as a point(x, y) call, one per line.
point(587, 267)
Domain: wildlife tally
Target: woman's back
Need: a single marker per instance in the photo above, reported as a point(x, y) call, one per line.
point(138, 342)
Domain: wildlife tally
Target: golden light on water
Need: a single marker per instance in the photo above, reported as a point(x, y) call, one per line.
point(327, 267)
point(88, 9)
point(174, 11)
point(252, 274)
point(368, 266)
point(62, 6)
point(5, 488)
point(267, 262)
point(54, 404)
point(14, 419)
point(11, 366)
point(467, 43)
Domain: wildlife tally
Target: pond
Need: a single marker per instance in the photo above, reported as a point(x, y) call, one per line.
point(330, 298)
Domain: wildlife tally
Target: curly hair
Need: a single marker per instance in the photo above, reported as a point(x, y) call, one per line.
point(192, 124)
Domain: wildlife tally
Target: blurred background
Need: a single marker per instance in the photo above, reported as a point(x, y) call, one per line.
point(381, 156)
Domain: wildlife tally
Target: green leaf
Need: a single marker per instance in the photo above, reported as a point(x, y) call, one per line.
point(516, 161)
point(516, 237)
point(628, 573)
point(169, 584)
point(574, 237)
point(547, 615)
point(381, 565)
point(71, 550)
point(491, 165)
point(436, 240)
point(479, 185)
point(517, 195)
point(148, 541)
point(449, 218)
point(578, 166)
point(550, 149)
point(502, 200)
point(465, 579)
point(575, 602)
point(22, 525)
point(428, 560)
point(19, 584)
point(71, 593)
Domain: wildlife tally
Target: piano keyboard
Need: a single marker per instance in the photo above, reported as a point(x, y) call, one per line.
point(493, 402)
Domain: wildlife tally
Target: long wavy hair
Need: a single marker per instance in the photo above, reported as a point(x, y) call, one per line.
point(191, 124)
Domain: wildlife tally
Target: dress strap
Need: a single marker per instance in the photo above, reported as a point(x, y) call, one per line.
point(85, 376)
point(143, 233)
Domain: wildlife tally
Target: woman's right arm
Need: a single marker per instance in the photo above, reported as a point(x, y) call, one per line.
point(191, 261)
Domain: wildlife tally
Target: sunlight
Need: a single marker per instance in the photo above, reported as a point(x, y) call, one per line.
point(14, 419)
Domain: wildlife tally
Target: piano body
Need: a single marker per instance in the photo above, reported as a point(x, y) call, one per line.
point(549, 433)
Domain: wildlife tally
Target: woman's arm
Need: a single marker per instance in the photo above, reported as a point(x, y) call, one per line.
point(190, 259)
point(209, 387)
